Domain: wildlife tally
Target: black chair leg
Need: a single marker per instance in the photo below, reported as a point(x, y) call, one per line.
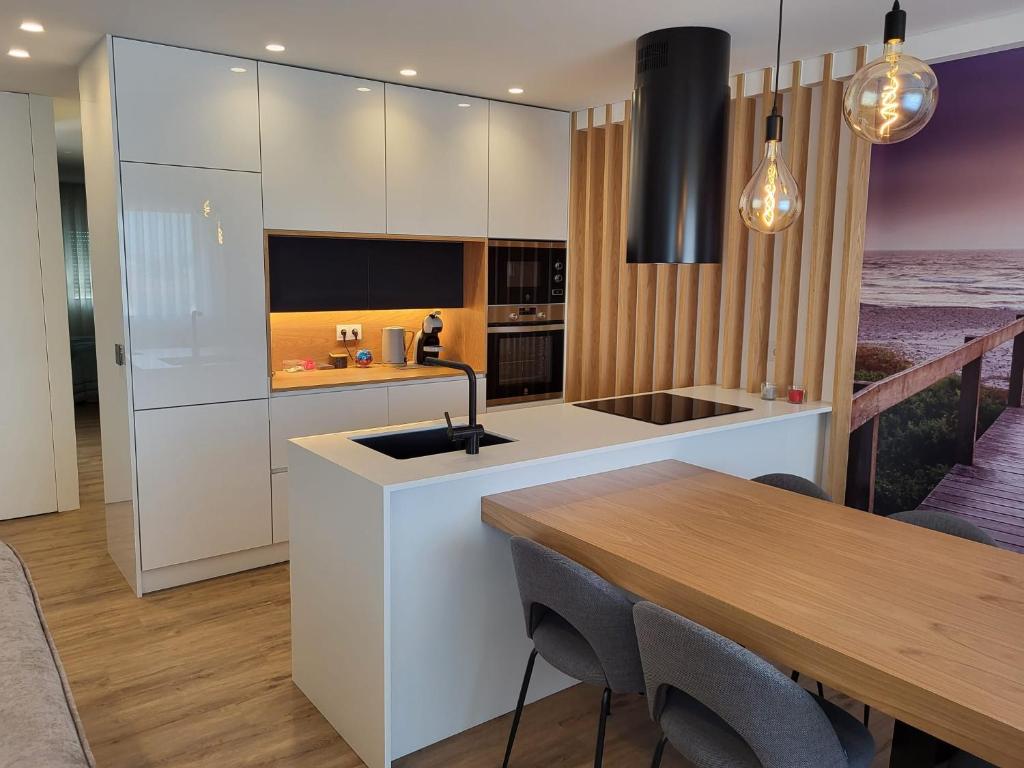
point(867, 715)
point(519, 707)
point(795, 677)
point(659, 751)
point(606, 704)
point(821, 690)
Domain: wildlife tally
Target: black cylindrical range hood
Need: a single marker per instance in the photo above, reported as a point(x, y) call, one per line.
point(678, 153)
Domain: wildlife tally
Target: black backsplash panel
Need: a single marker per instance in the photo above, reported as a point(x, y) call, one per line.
point(314, 274)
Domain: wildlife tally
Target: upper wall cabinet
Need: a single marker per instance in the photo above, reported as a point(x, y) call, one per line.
point(182, 107)
point(529, 173)
point(437, 163)
point(323, 151)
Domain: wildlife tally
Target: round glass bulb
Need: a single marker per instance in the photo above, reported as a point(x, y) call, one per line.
point(771, 200)
point(892, 98)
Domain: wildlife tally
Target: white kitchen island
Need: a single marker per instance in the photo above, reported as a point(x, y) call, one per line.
point(406, 621)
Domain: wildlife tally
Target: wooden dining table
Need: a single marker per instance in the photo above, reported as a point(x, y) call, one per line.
point(921, 625)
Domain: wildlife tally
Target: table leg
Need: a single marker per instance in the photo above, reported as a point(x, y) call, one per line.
point(912, 748)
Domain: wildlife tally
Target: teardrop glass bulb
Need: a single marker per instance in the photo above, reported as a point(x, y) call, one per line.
point(891, 98)
point(771, 200)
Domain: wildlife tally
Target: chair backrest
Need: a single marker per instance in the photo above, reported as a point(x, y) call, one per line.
point(943, 522)
point(601, 612)
point(794, 483)
point(781, 722)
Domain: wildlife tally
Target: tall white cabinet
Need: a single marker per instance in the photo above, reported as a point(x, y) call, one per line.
point(38, 469)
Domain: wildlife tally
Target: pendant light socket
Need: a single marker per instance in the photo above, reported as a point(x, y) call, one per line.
point(895, 24)
point(773, 127)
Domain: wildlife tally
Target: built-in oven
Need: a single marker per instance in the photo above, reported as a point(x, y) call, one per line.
point(525, 353)
point(525, 273)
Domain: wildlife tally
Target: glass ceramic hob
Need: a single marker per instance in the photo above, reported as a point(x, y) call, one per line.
point(662, 408)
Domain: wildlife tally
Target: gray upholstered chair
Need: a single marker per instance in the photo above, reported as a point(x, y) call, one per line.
point(580, 624)
point(721, 705)
point(794, 483)
point(943, 522)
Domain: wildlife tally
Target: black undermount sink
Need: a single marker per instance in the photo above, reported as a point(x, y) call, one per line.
point(422, 442)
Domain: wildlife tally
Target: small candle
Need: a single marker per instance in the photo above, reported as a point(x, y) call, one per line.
point(768, 391)
point(796, 394)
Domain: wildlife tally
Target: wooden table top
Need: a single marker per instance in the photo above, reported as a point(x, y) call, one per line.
point(924, 626)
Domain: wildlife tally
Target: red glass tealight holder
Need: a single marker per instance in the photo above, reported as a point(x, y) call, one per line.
point(796, 394)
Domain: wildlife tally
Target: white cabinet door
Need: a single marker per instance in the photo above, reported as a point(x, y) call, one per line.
point(183, 107)
point(204, 481)
point(529, 173)
point(323, 151)
point(437, 163)
point(279, 496)
point(321, 413)
point(427, 401)
point(196, 290)
point(26, 450)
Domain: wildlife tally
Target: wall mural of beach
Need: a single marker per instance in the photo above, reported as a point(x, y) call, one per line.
point(944, 259)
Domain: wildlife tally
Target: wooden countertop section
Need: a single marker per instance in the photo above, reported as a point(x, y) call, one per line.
point(344, 377)
point(921, 625)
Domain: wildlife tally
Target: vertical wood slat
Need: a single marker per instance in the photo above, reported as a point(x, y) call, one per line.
point(665, 326)
point(858, 174)
point(709, 300)
point(625, 342)
point(608, 303)
point(688, 277)
point(646, 298)
point(822, 231)
point(577, 218)
point(762, 266)
point(788, 301)
point(594, 216)
point(734, 267)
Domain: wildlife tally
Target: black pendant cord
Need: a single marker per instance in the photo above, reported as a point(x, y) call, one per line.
point(778, 63)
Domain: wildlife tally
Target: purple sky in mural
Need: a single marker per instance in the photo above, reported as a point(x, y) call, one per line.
point(959, 184)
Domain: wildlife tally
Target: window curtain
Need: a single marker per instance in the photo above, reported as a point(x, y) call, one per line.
point(76, 260)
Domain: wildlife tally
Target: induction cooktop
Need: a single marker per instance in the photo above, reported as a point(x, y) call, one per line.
point(662, 408)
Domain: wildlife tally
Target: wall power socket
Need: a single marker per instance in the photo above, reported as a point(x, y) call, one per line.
point(351, 332)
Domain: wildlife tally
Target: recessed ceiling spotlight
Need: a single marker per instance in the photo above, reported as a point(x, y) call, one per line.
point(275, 47)
point(31, 26)
point(363, 89)
point(408, 73)
point(239, 70)
point(463, 104)
point(515, 91)
point(18, 53)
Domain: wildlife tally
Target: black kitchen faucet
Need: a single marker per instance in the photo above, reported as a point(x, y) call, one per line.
point(472, 432)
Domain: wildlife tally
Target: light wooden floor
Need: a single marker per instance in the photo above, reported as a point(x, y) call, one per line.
point(200, 675)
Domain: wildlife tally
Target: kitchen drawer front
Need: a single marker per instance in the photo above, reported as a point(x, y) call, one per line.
point(426, 401)
point(196, 286)
point(323, 413)
point(181, 107)
point(204, 481)
point(279, 496)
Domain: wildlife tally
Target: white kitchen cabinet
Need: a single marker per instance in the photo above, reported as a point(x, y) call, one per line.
point(437, 163)
point(529, 173)
point(426, 401)
point(181, 107)
point(204, 481)
point(319, 413)
point(196, 295)
point(323, 151)
point(279, 499)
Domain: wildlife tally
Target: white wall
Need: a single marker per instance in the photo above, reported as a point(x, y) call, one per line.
point(38, 460)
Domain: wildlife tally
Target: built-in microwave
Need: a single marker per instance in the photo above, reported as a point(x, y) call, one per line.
point(526, 272)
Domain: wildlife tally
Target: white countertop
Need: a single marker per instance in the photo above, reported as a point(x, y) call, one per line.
point(542, 433)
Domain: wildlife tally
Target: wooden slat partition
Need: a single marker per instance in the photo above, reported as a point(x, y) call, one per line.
point(798, 128)
point(637, 328)
point(762, 266)
point(823, 218)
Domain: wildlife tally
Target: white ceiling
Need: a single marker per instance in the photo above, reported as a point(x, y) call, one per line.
point(565, 53)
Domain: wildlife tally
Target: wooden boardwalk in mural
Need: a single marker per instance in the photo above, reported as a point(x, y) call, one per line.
point(990, 493)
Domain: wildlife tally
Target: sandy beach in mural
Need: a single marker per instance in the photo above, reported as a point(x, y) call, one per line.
point(923, 303)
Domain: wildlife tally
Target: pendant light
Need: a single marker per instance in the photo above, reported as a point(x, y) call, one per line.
point(891, 98)
point(771, 200)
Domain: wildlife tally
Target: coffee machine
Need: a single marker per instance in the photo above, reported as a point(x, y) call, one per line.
point(428, 342)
